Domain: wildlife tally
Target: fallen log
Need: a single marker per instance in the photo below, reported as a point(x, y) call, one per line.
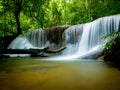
point(55, 51)
point(46, 51)
point(29, 51)
point(17, 51)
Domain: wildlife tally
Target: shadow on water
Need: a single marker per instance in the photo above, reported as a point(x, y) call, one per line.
point(23, 64)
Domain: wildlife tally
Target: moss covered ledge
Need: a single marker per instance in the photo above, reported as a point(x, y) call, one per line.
point(112, 52)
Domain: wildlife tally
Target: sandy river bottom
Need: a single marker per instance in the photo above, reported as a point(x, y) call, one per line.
point(36, 74)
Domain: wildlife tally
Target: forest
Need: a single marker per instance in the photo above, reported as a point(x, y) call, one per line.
point(20, 16)
point(59, 44)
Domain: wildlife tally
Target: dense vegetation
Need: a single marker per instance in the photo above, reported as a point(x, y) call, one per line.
point(20, 16)
point(112, 49)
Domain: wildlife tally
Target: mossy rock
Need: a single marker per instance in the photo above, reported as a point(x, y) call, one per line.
point(112, 53)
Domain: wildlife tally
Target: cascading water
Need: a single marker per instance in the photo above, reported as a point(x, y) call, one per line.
point(38, 38)
point(34, 39)
point(81, 41)
point(72, 38)
point(90, 41)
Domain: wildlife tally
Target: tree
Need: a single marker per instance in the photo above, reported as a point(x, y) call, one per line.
point(20, 16)
point(12, 10)
point(18, 8)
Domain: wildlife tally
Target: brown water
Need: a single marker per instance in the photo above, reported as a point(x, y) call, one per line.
point(35, 74)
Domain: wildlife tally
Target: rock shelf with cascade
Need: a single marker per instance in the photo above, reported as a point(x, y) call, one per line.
point(81, 41)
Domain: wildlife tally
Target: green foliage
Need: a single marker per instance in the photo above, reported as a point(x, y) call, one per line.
point(35, 14)
point(112, 48)
point(112, 34)
point(112, 52)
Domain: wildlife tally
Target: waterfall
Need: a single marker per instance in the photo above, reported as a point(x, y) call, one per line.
point(38, 38)
point(81, 41)
point(72, 38)
point(85, 39)
point(20, 42)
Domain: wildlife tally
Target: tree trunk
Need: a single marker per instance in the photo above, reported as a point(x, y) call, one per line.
point(18, 24)
point(18, 6)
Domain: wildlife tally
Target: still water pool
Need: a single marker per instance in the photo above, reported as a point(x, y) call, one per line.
point(37, 74)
